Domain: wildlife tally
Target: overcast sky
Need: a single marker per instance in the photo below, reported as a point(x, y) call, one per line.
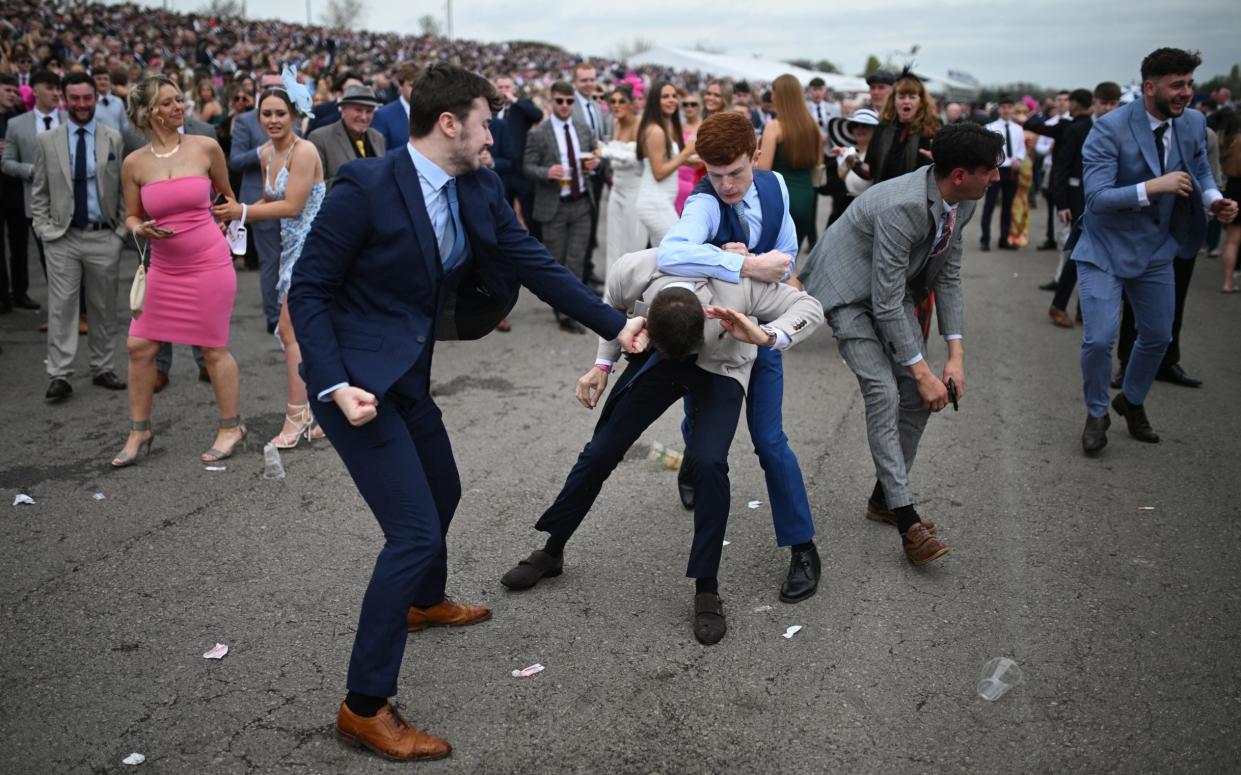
point(1058, 43)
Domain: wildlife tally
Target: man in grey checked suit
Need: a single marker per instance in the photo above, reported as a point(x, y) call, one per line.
point(79, 213)
point(562, 197)
point(20, 138)
point(243, 157)
point(896, 243)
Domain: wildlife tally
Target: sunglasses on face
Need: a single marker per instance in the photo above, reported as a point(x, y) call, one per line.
point(565, 100)
point(689, 104)
point(618, 102)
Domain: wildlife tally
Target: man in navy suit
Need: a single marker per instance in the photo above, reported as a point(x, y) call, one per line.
point(392, 120)
point(520, 114)
point(1147, 182)
point(243, 158)
point(393, 239)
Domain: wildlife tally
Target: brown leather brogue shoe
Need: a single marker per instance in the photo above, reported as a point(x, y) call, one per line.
point(388, 734)
point(1059, 317)
point(921, 547)
point(446, 613)
point(880, 513)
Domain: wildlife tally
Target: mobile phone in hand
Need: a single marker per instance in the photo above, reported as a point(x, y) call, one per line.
point(220, 199)
point(952, 392)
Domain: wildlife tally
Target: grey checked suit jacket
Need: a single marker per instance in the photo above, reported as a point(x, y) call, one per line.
point(543, 153)
point(636, 277)
point(19, 150)
point(336, 149)
point(873, 256)
point(52, 188)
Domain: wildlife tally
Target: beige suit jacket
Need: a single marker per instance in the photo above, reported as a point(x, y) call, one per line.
point(51, 193)
point(336, 149)
point(635, 279)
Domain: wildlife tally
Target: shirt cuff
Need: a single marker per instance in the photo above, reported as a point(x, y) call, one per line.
point(950, 337)
point(1143, 200)
point(604, 362)
point(916, 359)
point(1210, 197)
point(326, 395)
point(783, 342)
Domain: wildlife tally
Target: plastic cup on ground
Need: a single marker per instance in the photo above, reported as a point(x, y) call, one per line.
point(999, 674)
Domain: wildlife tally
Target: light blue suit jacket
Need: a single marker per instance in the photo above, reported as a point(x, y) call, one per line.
point(1119, 235)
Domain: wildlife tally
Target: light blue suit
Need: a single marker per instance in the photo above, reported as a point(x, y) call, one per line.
point(1128, 245)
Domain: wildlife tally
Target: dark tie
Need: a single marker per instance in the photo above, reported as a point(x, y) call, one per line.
point(80, 217)
point(818, 111)
point(105, 102)
point(590, 114)
point(47, 123)
point(576, 188)
point(945, 237)
point(1159, 149)
point(1008, 142)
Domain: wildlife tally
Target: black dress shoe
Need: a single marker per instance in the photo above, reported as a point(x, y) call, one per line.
point(108, 380)
point(1094, 437)
point(985, 247)
point(572, 326)
point(530, 570)
point(1051, 286)
point(1177, 376)
point(1006, 246)
point(59, 390)
point(1135, 417)
point(1118, 380)
point(22, 301)
point(685, 488)
point(709, 624)
point(803, 578)
point(1048, 245)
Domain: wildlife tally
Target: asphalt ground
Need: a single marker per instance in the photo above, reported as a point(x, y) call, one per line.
point(1123, 620)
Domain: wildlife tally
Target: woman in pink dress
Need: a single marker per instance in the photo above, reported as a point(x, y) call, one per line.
point(191, 284)
point(691, 118)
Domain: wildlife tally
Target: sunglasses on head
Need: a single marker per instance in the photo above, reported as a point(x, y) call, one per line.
point(564, 100)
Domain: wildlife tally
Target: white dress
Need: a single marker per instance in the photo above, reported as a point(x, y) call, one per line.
point(657, 201)
point(625, 232)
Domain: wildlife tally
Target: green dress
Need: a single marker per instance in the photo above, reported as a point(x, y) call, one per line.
point(803, 200)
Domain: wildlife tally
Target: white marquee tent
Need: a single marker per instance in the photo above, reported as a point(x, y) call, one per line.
point(740, 68)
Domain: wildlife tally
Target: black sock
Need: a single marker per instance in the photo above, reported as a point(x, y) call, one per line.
point(876, 494)
point(803, 547)
point(363, 704)
point(906, 518)
point(555, 545)
point(711, 585)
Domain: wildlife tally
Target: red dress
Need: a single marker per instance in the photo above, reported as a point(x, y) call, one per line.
point(191, 284)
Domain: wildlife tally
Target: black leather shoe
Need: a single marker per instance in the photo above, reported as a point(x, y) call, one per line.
point(572, 326)
point(108, 380)
point(58, 390)
point(984, 247)
point(803, 579)
point(685, 489)
point(1094, 437)
point(22, 301)
point(1177, 376)
point(709, 624)
point(1135, 417)
point(1118, 381)
point(1051, 286)
point(1006, 246)
point(1048, 245)
point(530, 570)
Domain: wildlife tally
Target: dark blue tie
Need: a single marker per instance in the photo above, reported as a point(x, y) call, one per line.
point(80, 217)
point(1159, 146)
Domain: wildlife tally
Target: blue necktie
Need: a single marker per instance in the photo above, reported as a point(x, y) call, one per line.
point(80, 216)
point(451, 244)
point(739, 209)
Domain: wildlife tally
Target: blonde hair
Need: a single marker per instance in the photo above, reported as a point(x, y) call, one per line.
point(143, 99)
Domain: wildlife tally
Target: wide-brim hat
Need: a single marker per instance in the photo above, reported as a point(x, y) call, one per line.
point(838, 131)
point(356, 94)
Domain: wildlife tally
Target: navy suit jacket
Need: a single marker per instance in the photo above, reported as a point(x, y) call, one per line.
point(502, 148)
point(1118, 235)
point(520, 116)
point(393, 124)
point(369, 285)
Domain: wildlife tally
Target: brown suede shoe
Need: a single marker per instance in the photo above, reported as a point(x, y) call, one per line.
point(161, 380)
point(1059, 317)
point(921, 547)
point(888, 516)
point(388, 734)
point(446, 613)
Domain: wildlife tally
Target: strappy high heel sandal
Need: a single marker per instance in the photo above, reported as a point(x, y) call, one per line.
point(304, 426)
point(214, 455)
point(123, 460)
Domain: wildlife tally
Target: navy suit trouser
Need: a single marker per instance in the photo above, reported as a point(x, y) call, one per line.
point(764, 407)
point(636, 402)
point(403, 465)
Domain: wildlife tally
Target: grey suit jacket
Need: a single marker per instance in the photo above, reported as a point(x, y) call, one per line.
point(875, 256)
point(603, 130)
point(51, 195)
point(542, 153)
point(336, 149)
point(635, 278)
point(19, 150)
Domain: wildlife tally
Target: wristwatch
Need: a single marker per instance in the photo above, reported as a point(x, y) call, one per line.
point(771, 335)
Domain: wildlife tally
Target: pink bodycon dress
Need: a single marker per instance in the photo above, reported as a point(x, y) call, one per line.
point(191, 283)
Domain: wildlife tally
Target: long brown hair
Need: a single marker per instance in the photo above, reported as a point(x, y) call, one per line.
point(799, 134)
point(654, 114)
point(926, 120)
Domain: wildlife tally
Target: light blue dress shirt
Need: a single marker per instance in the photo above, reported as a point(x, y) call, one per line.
point(685, 251)
point(92, 185)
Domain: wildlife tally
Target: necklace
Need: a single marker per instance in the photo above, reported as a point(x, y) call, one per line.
point(176, 148)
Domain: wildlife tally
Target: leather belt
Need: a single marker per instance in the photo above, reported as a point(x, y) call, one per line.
point(91, 227)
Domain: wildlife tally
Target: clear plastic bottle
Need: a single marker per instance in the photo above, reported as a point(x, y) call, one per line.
point(272, 467)
point(668, 457)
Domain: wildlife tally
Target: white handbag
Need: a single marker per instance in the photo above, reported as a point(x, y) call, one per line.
point(138, 290)
point(237, 234)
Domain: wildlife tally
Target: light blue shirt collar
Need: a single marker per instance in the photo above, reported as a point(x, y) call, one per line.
point(74, 127)
point(429, 170)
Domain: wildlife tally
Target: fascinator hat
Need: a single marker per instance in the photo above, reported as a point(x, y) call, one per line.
point(298, 94)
